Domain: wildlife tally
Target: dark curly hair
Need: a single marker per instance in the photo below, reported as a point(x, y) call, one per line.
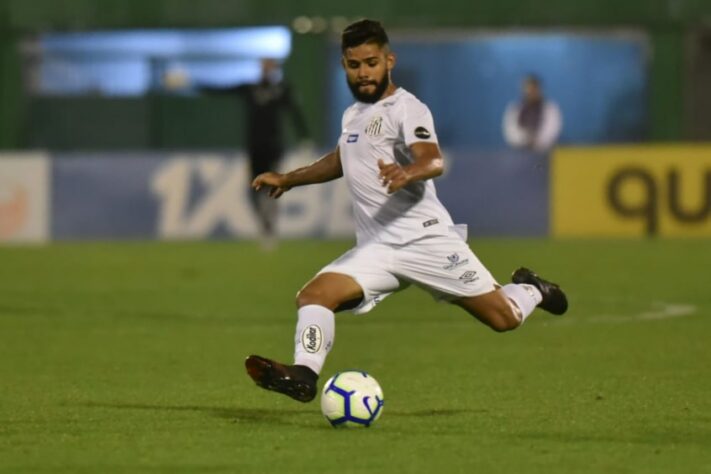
point(362, 32)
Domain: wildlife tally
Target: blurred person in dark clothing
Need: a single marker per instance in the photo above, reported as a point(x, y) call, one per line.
point(266, 101)
point(535, 122)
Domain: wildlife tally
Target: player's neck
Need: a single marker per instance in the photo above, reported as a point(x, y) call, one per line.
point(390, 90)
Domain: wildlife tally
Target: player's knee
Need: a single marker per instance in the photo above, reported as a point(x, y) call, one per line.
point(309, 295)
point(504, 320)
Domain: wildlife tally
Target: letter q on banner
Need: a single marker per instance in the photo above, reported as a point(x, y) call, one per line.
point(24, 197)
point(632, 191)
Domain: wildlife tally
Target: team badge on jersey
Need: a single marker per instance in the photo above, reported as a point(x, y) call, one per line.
point(422, 132)
point(374, 127)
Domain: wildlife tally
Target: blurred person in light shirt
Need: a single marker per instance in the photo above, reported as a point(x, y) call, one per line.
point(533, 123)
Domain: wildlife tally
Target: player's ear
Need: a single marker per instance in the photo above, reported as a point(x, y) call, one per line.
point(390, 60)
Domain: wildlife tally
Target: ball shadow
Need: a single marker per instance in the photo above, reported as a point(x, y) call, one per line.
point(276, 416)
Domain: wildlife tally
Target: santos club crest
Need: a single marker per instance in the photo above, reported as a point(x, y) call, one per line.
point(374, 127)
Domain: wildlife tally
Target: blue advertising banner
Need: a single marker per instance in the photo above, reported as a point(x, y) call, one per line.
point(103, 195)
point(181, 196)
point(198, 196)
point(501, 193)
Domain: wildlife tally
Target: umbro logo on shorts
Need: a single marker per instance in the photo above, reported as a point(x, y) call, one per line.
point(352, 138)
point(469, 277)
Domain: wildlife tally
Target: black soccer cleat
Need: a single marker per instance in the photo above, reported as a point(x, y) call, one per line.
point(296, 381)
point(554, 300)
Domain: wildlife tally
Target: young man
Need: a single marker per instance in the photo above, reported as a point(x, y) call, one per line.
point(388, 154)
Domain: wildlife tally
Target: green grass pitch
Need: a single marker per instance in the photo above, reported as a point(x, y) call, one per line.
point(128, 357)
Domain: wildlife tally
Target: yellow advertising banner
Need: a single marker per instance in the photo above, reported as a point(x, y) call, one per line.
point(631, 191)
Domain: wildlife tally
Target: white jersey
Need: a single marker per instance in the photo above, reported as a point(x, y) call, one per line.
point(384, 131)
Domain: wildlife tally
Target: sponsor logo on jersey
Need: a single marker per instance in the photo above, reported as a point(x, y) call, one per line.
point(352, 138)
point(469, 277)
point(455, 261)
point(374, 127)
point(311, 338)
point(422, 132)
point(430, 222)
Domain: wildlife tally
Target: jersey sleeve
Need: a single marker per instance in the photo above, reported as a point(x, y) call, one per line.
point(417, 123)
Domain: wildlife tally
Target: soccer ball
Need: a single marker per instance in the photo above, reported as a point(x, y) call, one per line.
point(352, 399)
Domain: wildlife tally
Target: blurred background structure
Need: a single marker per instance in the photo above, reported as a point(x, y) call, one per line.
point(85, 79)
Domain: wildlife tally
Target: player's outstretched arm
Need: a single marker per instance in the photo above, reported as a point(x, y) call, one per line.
point(325, 169)
point(427, 164)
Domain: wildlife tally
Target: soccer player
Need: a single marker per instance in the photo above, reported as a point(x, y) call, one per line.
point(388, 154)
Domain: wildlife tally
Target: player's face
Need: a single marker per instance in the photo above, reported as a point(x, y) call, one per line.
point(368, 69)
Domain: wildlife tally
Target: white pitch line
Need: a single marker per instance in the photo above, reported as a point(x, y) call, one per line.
point(659, 311)
point(668, 311)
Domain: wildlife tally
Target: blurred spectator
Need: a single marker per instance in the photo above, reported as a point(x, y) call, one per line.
point(535, 122)
point(266, 100)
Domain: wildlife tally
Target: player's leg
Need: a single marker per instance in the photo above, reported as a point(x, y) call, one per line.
point(334, 291)
point(493, 309)
point(317, 302)
point(446, 266)
point(358, 280)
point(526, 292)
point(315, 331)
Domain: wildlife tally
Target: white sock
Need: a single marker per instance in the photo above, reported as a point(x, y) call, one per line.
point(315, 332)
point(526, 297)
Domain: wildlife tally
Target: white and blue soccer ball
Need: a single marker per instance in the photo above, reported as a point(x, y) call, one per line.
point(352, 399)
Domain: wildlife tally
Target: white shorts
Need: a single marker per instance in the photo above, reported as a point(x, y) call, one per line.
point(444, 266)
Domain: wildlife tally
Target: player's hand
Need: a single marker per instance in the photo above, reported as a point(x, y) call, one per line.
point(393, 176)
point(275, 181)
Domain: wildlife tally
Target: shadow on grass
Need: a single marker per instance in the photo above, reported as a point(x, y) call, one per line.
point(281, 416)
point(237, 414)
